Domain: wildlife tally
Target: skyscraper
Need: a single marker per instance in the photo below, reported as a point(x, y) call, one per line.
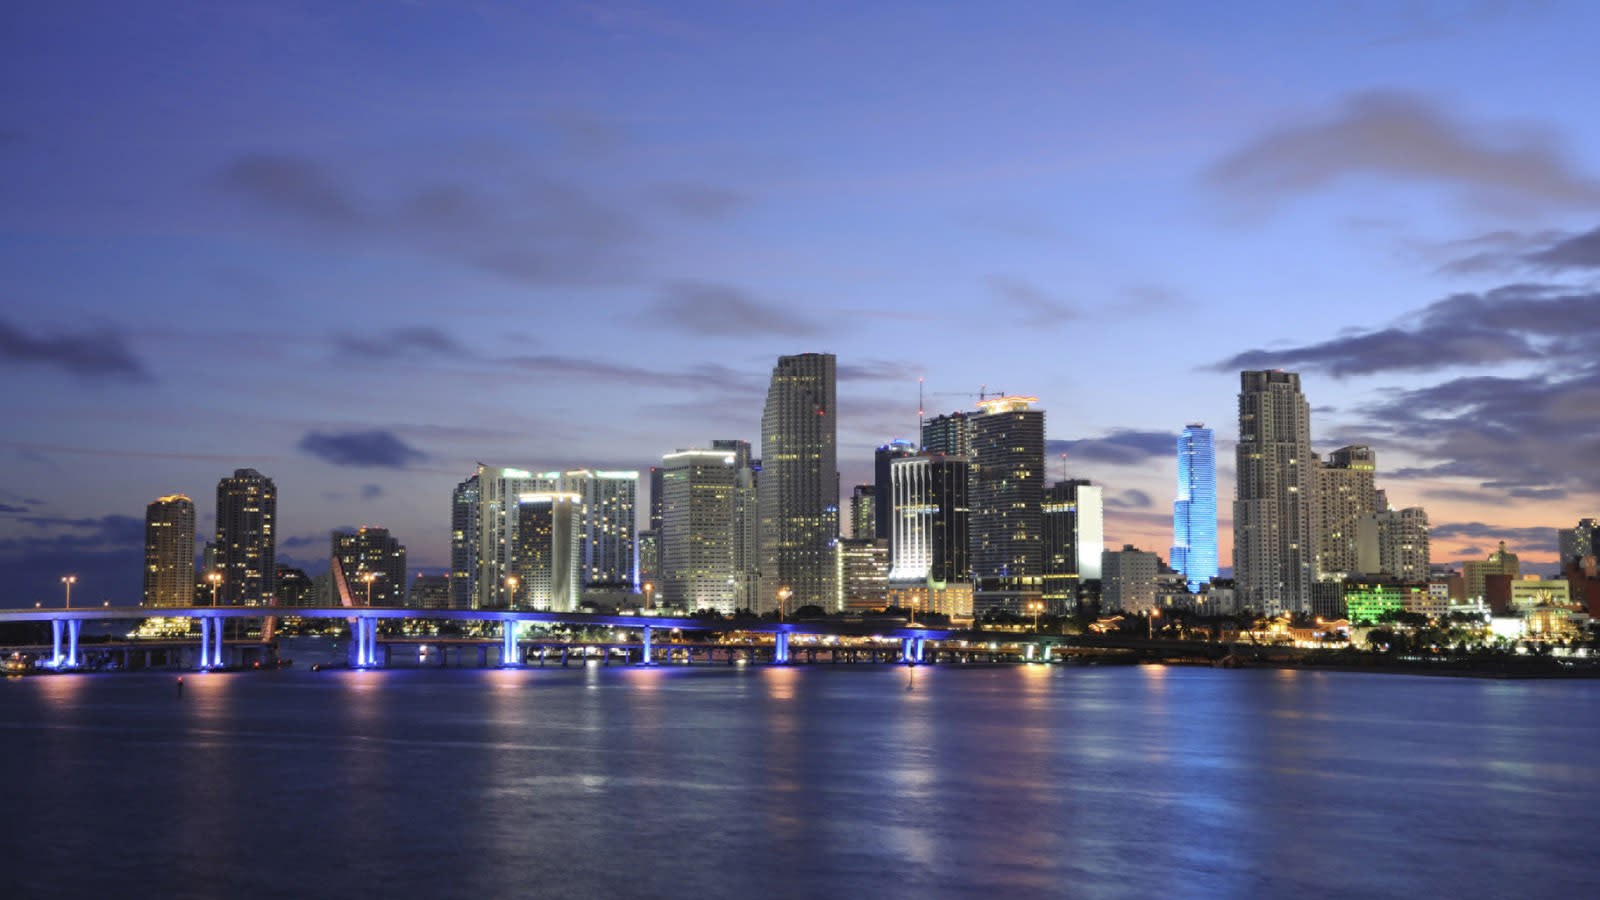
point(1583, 539)
point(1074, 539)
point(609, 500)
point(1007, 498)
point(169, 552)
point(464, 544)
point(929, 540)
point(498, 493)
point(799, 485)
point(247, 507)
point(706, 547)
point(374, 552)
point(864, 512)
point(1274, 511)
point(1345, 494)
point(881, 458)
point(1393, 542)
point(546, 565)
point(950, 434)
point(1194, 512)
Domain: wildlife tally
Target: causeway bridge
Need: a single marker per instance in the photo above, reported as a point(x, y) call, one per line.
point(66, 624)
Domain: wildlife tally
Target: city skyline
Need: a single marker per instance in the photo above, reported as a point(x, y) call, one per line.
point(359, 252)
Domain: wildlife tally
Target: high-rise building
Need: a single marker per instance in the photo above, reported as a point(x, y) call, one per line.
point(1074, 539)
point(746, 521)
point(430, 592)
point(929, 562)
point(247, 507)
point(1128, 579)
point(1573, 544)
point(1006, 536)
point(1502, 562)
point(882, 516)
point(498, 492)
point(799, 484)
point(1194, 512)
point(861, 574)
point(655, 499)
point(949, 435)
point(547, 552)
point(293, 587)
point(1274, 512)
point(609, 500)
point(374, 565)
point(1345, 494)
point(707, 549)
point(169, 552)
point(864, 512)
point(464, 544)
point(1393, 542)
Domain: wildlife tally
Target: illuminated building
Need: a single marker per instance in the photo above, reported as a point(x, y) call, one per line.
point(882, 514)
point(1274, 510)
point(169, 552)
point(707, 546)
point(649, 544)
point(799, 484)
point(430, 592)
point(1580, 541)
point(949, 435)
point(1345, 494)
point(1074, 538)
point(464, 544)
point(246, 548)
point(374, 552)
point(1006, 544)
point(1476, 572)
point(498, 490)
point(295, 588)
point(1366, 600)
point(1194, 512)
point(1393, 542)
point(861, 574)
point(606, 533)
point(1128, 579)
point(547, 559)
point(929, 562)
point(863, 512)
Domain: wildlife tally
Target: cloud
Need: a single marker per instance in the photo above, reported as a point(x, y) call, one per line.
point(371, 491)
point(718, 310)
point(1036, 307)
point(95, 355)
point(1123, 447)
point(1533, 539)
point(295, 185)
point(704, 375)
point(1400, 136)
point(375, 448)
point(874, 370)
point(701, 201)
point(415, 341)
point(1577, 252)
point(1130, 499)
point(8, 508)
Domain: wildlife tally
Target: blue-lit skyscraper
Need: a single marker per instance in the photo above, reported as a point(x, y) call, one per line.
point(1194, 513)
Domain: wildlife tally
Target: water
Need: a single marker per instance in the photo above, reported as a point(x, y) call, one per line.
point(809, 781)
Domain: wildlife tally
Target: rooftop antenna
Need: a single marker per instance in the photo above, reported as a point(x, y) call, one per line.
point(920, 410)
point(1063, 465)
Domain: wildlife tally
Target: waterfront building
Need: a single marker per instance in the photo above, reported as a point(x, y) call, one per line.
point(430, 592)
point(706, 545)
point(498, 491)
point(169, 552)
point(1530, 592)
point(1128, 580)
point(246, 546)
point(1194, 512)
point(1477, 572)
point(1573, 544)
point(293, 587)
point(606, 531)
point(1345, 494)
point(798, 491)
point(862, 575)
point(1393, 542)
point(1006, 538)
point(546, 564)
point(883, 489)
point(1274, 512)
point(929, 534)
point(1366, 600)
point(1074, 539)
point(464, 519)
point(949, 435)
point(649, 544)
point(656, 474)
point(372, 552)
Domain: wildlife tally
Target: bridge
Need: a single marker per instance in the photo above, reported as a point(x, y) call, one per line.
point(66, 625)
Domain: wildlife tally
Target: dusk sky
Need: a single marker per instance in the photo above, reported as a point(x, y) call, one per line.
point(362, 246)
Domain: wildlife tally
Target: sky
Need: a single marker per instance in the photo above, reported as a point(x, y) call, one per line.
point(361, 247)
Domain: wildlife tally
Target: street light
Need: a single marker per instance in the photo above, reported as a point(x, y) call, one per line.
point(69, 581)
point(511, 588)
point(1154, 615)
point(216, 583)
point(369, 578)
point(648, 589)
point(783, 598)
point(1037, 608)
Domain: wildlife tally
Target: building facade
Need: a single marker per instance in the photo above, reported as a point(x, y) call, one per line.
point(1007, 502)
point(861, 571)
point(1074, 539)
point(1275, 514)
point(374, 565)
point(169, 552)
point(606, 533)
point(1345, 495)
point(1194, 512)
point(246, 545)
point(707, 550)
point(546, 566)
point(798, 491)
point(1393, 542)
point(464, 544)
point(1128, 580)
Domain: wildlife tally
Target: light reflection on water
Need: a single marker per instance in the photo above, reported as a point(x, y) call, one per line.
point(733, 781)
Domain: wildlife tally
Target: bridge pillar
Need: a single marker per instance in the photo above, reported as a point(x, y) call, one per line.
point(216, 643)
point(918, 646)
point(645, 659)
point(780, 648)
point(73, 627)
point(908, 650)
point(508, 646)
point(55, 639)
point(563, 657)
point(205, 642)
point(1047, 650)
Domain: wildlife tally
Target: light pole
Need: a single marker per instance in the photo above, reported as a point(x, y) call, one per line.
point(511, 588)
point(1154, 615)
point(783, 598)
point(369, 578)
point(216, 584)
point(69, 581)
point(1037, 608)
point(649, 588)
